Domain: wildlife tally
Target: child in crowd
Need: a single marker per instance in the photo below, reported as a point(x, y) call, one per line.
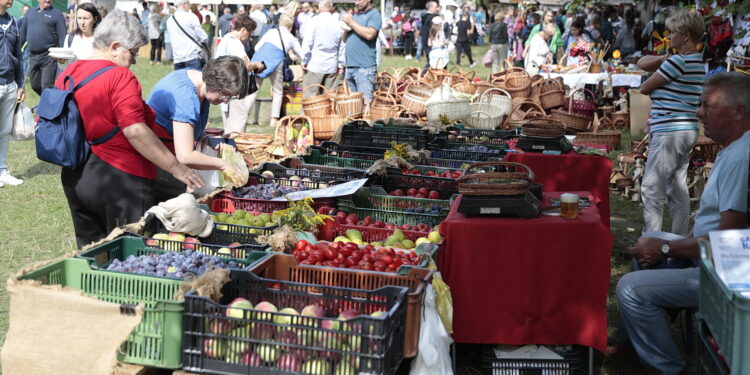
point(439, 52)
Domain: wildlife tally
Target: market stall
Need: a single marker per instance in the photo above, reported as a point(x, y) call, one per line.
point(519, 281)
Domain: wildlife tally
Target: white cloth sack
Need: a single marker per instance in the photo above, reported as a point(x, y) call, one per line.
point(182, 215)
point(434, 341)
point(23, 124)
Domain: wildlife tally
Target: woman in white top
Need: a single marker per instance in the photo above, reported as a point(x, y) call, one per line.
point(291, 44)
point(538, 53)
point(81, 41)
point(234, 113)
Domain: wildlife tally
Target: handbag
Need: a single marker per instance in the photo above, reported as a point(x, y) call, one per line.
point(288, 74)
point(23, 123)
point(204, 50)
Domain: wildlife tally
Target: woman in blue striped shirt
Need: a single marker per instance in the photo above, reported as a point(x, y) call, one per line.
point(675, 89)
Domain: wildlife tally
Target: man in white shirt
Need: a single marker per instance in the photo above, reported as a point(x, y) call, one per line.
point(303, 19)
point(186, 33)
point(206, 11)
point(260, 18)
point(322, 50)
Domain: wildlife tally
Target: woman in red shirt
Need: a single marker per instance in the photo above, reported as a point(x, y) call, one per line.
point(115, 186)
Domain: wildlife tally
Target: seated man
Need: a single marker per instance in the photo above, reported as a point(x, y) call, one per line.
point(725, 113)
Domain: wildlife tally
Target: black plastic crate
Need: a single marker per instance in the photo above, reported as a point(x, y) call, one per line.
point(246, 341)
point(352, 152)
point(570, 364)
point(315, 174)
point(447, 187)
point(223, 234)
point(441, 148)
point(318, 156)
point(477, 136)
point(359, 133)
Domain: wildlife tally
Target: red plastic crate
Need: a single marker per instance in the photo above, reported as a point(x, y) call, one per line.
point(226, 202)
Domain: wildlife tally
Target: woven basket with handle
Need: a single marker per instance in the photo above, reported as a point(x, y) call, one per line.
point(521, 112)
point(347, 103)
point(584, 107)
point(551, 93)
point(382, 104)
point(324, 127)
point(495, 178)
point(611, 138)
point(415, 97)
point(318, 105)
point(499, 98)
point(573, 121)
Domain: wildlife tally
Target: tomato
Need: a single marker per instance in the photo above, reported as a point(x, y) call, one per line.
point(304, 254)
point(366, 257)
point(412, 254)
point(330, 263)
point(315, 256)
point(336, 245)
point(379, 269)
point(318, 263)
point(339, 261)
point(390, 268)
point(350, 261)
point(368, 248)
point(379, 264)
point(346, 251)
point(367, 266)
point(301, 245)
point(307, 262)
point(396, 263)
point(328, 254)
point(298, 257)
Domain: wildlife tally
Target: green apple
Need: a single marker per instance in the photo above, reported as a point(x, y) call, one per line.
point(265, 308)
point(268, 353)
point(316, 367)
point(341, 239)
point(399, 235)
point(344, 368)
point(265, 217)
point(421, 240)
point(434, 237)
point(221, 217)
point(285, 319)
point(161, 236)
point(236, 309)
point(354, 234)
point(408, 244)
point(239, 214)
point(214, 348)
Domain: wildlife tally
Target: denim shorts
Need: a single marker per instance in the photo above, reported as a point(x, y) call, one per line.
point(361, 80)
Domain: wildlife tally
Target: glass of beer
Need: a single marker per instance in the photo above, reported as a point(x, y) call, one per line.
point(569, 205)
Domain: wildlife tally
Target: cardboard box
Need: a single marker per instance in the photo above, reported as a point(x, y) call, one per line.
point(640, 106)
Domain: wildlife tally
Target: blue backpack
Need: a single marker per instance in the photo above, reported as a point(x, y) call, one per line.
point(60, 137)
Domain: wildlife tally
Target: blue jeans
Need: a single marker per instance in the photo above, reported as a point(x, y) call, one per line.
point(192, 64)
point(361, 80)
point(641, 295)
point(8, 95)
point(419, 49)
point(25, 61)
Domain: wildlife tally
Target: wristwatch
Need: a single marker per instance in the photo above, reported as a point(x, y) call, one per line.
point(665, 249)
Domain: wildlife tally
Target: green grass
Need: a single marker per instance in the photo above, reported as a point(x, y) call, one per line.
point(35, 221)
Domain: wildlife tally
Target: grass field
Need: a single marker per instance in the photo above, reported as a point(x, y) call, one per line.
point(35, 221)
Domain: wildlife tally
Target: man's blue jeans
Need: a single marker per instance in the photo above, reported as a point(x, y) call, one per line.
point(361, 80)
point(191, 64)
point(641, 295)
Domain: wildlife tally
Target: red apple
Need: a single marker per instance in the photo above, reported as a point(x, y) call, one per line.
point(411, 192)
point(433, 195)
point(406, 227)
point(352, 219)
point(379, 224)
point(361, 223)
point(369, 219)
point(390, 226)
point(423, 190)
point(420, 195)
point(398, 193)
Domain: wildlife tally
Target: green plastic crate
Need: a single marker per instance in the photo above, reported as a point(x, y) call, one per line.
point(157, 340)
point(727, 315)
point(376, 196)
point(391, 209)
point(317, 158)
point(123, 247)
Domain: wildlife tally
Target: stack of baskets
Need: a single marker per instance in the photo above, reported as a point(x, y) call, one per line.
point(320, 110)
point(543, 127)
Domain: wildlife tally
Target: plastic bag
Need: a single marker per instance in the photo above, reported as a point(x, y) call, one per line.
point(211, 177)
point(487, 59)
point(238, 174)
point(434, 341)
point(442, 93)
point(24, 125)
point(443, 301)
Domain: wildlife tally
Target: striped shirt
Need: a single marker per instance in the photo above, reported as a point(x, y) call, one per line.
point(674, 105)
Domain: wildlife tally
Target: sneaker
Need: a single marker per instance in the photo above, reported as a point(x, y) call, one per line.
point(473, 65)
point(7, 179)
point(408, 57)
point(2, 184)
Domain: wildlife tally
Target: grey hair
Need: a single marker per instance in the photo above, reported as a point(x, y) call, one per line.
point(735, 88)
point(550, 29)
point(325, 4)
point(121, 27)
point(430, 4)
point(177, 3)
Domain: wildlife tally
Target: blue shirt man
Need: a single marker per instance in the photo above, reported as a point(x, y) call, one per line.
point(43, 27)
point(361, 54)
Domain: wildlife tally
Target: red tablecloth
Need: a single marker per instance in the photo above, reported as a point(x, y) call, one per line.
point(528, 281)
point(570, 172)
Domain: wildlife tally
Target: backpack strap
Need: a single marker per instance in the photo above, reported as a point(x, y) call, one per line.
point(116, 129)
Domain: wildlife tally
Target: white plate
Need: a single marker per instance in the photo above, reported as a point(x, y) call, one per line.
point(61, 53)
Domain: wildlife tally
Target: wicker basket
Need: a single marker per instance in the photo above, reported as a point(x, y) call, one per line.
point(518, 85)
point(480, 119)
point(455, 109)
point(611, 138)
point(496, 178)
point(380, 113)
point(581, 106)
point(499, 98)
point(543, 127)
point(483, 86)
point(318, 105)
point(463, 84)
point(324, 127)
point(415, 97)
point(574, 122)
point(382, 104)
point(522, 112)
point(348, 104)
point(551, 93)
point(536, 81)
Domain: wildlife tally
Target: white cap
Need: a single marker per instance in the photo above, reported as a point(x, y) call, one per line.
point(437, 20)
